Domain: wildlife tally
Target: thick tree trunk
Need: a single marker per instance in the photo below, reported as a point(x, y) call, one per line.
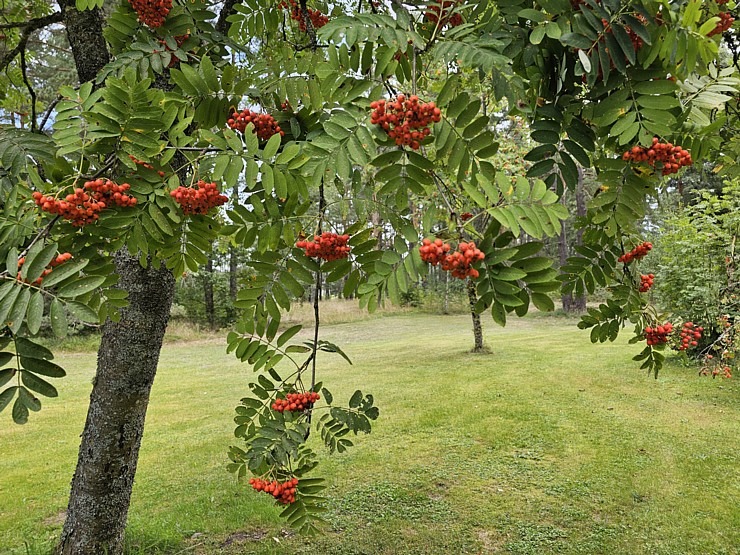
point(208, 294)
point(127, 363)
point(85, 35)
point(477, 326)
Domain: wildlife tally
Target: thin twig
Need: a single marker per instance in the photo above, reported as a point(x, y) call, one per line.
point(31, 92)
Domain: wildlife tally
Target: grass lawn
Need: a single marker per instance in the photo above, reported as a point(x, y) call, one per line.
point(549, 445)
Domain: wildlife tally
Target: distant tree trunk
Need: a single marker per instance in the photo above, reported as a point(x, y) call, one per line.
point(477, 326)
point(233, 269)
point(571, 303)
point(208, 293)
point(446, 298)
point(127, 362)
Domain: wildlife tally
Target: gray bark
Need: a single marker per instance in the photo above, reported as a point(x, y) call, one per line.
point(127, 362)
point(477, 326)
point(85, 35)
point(208, 293)
point(571, 303)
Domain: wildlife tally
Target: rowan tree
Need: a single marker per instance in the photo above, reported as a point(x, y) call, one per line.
point(179, 102)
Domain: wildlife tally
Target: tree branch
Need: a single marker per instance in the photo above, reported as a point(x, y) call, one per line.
point(36, 23)
point(222, 26)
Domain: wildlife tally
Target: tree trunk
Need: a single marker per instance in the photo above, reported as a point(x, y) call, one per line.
point(85, 35)
point(208, 293)
point(571, 303)
point(477, 326)
point(233, 271)
point(127, 362)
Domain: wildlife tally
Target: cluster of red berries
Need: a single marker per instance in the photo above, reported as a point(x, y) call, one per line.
point(640, 251)
point(199, 199)
point(296, 402)
point(60, 259)
point(265, 125)
point(672, 157)
point(725, 22)
point(689, 336)
point(317, 18)
point(433, 252)
point(406, 119)
point(179, 40)
point(659, 334)
point(143, 164)
point(284, 492)
point(443, 14)
point(84, 205)
point(459, 262)
point(646, 282)
point(327, 246)
point(152, 12)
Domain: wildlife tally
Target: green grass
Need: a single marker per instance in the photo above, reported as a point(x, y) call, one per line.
point(549, 445)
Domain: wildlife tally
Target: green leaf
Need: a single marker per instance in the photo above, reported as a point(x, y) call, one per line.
point(35, 313)
point(42, 387)
point(43, 367)
point(58, 318)
point(20, 411)
point(64, 271)
point(81, 286)
point(7, 396)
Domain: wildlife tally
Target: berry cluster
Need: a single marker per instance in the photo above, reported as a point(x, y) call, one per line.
point(317, 18)
point(265, 125)
point(296, 402)
point(447, 18)
point(152, 12)
point(725, 22)
point(671, 157)
point(433, 253)
point(60, 259)
point(282, 491)
point(84, 205)
point(144, 164)
point(689, 336)
point(406, 120)
point(459, 262)
point(658, 335)
point(646, 282)
point(327, 246)
point(640, 251)
point(199, 199)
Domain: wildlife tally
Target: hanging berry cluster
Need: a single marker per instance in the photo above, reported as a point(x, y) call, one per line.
point(725, 22)
point(689, 336)
point(459, 262)
point(152, 12)
point(265, 125)
point(658, 335)
point(433, 252)
point(198, 199)
point(406, 120)
point(284, 492)
point(83, 206)
point(60, 259)
point(447, 18)
point(143, 164)
point(640, 251)
point(296, 402)
point(715, 368)
point(646, 282)
point(327, 246)
point(671, 157)
point(317, 18)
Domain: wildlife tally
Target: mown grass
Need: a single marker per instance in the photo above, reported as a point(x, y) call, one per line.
point(549, 445)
